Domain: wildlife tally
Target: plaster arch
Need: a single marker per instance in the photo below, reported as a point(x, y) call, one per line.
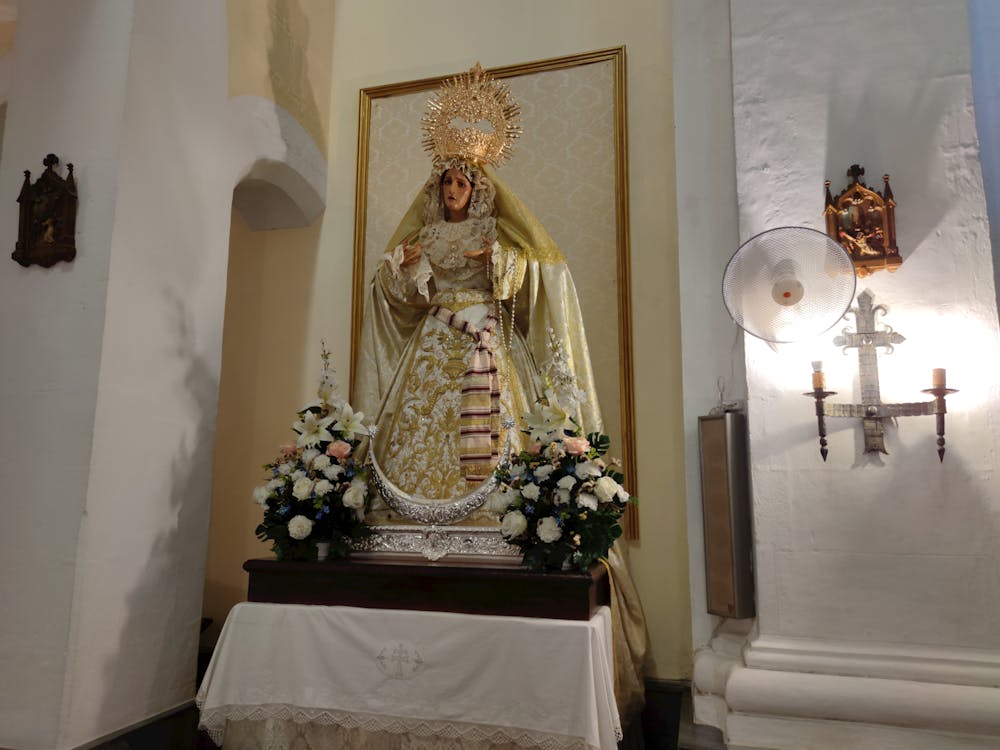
point(281, 184)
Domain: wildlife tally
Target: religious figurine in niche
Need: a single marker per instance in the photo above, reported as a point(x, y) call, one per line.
point(47, 223)
point(457, 320)
point(863, 221)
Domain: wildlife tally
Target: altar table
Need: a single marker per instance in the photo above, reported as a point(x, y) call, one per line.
point(465, 680)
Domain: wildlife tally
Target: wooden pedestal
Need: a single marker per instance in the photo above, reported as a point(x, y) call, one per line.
point(512, 592)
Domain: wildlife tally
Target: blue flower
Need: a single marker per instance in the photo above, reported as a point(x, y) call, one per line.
point(570, 468)
point(529, 508)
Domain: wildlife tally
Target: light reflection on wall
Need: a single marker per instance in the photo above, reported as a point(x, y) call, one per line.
point(956, 340)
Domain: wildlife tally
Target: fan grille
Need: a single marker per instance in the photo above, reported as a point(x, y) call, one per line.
point(760, 286)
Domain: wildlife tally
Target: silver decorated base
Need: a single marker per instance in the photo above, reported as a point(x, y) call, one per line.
point(454, 545)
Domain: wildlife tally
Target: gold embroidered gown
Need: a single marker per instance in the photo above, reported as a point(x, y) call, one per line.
point(411, 364)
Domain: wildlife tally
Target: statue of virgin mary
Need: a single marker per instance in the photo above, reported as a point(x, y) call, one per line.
point(462, 312)
point(468, 308)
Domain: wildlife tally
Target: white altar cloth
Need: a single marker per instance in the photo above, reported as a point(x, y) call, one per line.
point(528, 682)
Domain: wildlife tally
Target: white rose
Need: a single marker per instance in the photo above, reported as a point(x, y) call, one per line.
point(587, 469)
point(530, 491)
point(275, 484)
point(297, 475)
point(562, 497)
point(549, 530)
point(516, 470)
point(542, 472)
point(355, 495)
point(308, 455)
point(302, 488)
point(586, 500)
point(606, 489)
point(299, 527)
point(333, 471)
point(498, 501)
point(260, 495)
point(285, 469)
point(323, 487)
point(321, 462)
point(513, 524)
point(567, 482)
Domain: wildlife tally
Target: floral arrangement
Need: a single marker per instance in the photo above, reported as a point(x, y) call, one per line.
point(560, 500)
point(316, 491)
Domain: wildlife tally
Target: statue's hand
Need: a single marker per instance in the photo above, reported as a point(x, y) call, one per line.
point(411, 254)
point(484, 254)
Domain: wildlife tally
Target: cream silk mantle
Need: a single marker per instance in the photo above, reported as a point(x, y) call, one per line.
point(309, 676)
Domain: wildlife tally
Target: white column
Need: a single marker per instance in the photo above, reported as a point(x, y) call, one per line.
point(67, 96)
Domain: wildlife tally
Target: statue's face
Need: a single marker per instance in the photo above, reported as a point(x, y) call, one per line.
point(455, 193)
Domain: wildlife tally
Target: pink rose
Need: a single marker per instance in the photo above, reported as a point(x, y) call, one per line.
point(287, 450)
point(339, 449)
point(534, 450)
point(576, 446)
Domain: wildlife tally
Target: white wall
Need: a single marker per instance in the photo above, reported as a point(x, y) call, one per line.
point(707, 235)
point(850, 547)
point(870, 567)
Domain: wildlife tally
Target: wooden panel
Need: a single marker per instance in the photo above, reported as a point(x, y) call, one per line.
point(512, 592)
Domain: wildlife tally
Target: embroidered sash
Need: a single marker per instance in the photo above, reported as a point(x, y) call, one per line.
point(479, 410)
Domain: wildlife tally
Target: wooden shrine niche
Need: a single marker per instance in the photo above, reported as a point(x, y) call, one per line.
point(46, 232)
point(863, 221)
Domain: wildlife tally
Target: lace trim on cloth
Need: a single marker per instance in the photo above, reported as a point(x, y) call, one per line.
point(214, 720)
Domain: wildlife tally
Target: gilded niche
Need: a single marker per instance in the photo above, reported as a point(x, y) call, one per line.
point(863, 221)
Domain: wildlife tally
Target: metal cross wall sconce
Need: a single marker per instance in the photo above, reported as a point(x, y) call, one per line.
point(871, 410)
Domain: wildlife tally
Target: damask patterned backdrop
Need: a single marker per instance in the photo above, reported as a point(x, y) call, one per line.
point(563, 168)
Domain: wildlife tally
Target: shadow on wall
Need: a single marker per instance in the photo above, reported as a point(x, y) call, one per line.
point(288, 65)
point(893, 131)
point(175, 555)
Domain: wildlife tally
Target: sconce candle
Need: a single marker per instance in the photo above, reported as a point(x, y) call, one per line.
point(937, 377)
point(819, 379)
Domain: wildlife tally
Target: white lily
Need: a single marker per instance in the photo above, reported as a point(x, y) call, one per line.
point(351, 421)
point(548, 421)
point(313, 430)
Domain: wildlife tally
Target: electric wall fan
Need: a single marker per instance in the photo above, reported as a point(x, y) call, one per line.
point(788, 284)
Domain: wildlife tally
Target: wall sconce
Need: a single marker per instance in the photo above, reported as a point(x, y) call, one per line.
point(867, 339)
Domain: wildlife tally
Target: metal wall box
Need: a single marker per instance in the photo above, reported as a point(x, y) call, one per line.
point(726, 507)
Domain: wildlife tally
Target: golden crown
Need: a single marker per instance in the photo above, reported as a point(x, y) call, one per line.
point(472, 98)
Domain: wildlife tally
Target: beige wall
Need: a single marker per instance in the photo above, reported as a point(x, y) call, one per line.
point(264, 345)
point(296, 288)
point(280, 50)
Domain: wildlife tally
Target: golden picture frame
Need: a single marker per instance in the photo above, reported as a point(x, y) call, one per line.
point(570, 167)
